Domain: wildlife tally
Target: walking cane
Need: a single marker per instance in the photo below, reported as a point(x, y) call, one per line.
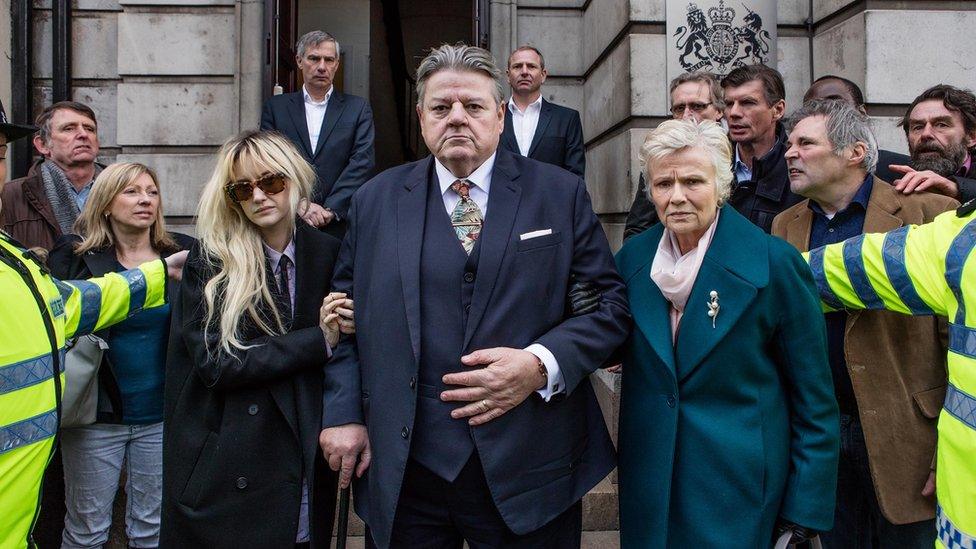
point(343, 526)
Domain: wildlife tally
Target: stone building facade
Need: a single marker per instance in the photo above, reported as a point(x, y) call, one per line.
point(171, 79)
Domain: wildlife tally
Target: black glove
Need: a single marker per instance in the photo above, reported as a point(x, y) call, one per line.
point(798, 534)
point(582, 297)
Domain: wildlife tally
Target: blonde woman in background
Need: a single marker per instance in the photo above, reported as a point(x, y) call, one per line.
point(252, 331)
point(120, 227)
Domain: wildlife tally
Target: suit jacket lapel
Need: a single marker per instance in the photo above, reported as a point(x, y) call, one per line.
point(798, 229)
point(651, 311)
point(883, 204)
point(545, 116)
point(337, 103)
point(732, 270)
point(296, 109)
point(411, 211)
point(101, 262)
point(508, 133)
point(503, 202)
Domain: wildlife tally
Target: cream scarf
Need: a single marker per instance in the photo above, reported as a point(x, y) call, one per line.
point(675, 274)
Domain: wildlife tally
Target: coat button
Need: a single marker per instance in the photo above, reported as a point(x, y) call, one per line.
point(252, 409)
point(469, 277)
point(241, 483)
point(413, 383)
point(671, 401)
point(405, 433)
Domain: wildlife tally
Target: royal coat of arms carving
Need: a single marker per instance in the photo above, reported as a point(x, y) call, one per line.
point(715, 45)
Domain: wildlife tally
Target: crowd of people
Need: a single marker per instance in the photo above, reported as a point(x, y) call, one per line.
point(426, 335)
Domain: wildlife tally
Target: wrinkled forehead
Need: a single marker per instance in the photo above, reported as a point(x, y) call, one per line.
point(685, 91)
point(932, 109)
point(451, 85)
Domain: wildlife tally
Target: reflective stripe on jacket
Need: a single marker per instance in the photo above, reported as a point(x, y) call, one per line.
point(37, 314)
point(924, 270)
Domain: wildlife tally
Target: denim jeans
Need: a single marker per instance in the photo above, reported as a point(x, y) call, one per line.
point(93, 457)
point(858, 522)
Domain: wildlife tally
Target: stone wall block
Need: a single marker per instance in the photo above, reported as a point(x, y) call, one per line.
point(792, 12)
point(602, 22)
point(823, 8)
point(552, 3)
point(557, 35)
point(793, 62)
point(181, 178)
point(177, 114)
point(93, 45)
point(612, 171)
point(648, 75)
point(607, 92)
point(177, 43)
point(176, 2)
point(567, 92)
point(898, 69)
point(840, 51)
point(889, 134)
point(648, 10)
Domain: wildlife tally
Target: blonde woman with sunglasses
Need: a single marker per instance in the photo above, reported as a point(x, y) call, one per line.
point(253, 329)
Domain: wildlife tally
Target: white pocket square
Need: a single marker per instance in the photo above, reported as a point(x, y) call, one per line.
point(535, 234)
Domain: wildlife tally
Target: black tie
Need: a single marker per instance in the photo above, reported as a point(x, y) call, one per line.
point(283, 291)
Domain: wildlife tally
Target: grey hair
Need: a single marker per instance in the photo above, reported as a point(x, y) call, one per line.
point(714, 86)
point(672, 136)
point(460, 57)
point(846, 126)
point(314, 38)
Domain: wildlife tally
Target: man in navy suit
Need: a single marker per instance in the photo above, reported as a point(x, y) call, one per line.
point(535, 127)
point(333, 130)
point(466, 371)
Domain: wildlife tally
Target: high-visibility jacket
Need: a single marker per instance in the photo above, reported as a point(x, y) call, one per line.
point(924, 270)
point(37, 313)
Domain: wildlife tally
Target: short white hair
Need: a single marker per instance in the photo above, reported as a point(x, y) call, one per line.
point(672, 136)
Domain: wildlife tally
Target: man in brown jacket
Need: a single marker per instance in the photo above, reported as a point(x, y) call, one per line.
point(44, 205)
point(888, 369)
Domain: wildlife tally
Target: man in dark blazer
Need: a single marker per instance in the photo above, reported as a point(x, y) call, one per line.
point(333, 131)
point(466, 370)
point(535, 127)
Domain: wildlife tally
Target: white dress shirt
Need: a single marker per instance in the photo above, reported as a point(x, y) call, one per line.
point(480, 180)
point(314, 115)
point(524, 123)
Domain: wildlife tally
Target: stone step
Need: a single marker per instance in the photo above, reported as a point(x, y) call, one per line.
point(591, 540)
point(599, 510)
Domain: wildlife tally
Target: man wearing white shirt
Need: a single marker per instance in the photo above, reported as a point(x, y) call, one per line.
point(537, 128)
point(467, 372)
point(333, 130)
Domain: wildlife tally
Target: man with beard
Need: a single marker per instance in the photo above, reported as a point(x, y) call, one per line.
point(941, 129)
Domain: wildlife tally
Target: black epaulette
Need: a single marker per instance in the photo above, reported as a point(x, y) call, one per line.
point(967, 208)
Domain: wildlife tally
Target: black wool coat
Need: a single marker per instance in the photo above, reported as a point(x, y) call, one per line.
point(240, 433)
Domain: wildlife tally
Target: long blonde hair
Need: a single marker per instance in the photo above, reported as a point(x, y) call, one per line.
point(232, 245)
point(94, 226)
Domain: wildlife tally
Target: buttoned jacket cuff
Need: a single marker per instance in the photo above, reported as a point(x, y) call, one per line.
point(554, 379)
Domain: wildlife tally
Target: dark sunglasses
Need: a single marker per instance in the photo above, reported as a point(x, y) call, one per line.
point(239, 191)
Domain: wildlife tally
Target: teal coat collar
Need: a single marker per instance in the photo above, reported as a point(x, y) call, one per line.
point(736, 266)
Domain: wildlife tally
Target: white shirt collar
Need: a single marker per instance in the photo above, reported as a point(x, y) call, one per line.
point(480, 178)
point(309, 99)
point(536, 105)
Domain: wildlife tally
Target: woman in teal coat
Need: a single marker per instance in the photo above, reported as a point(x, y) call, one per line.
point(728, 424)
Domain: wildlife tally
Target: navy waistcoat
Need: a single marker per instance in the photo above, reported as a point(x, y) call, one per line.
point(447, 276)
